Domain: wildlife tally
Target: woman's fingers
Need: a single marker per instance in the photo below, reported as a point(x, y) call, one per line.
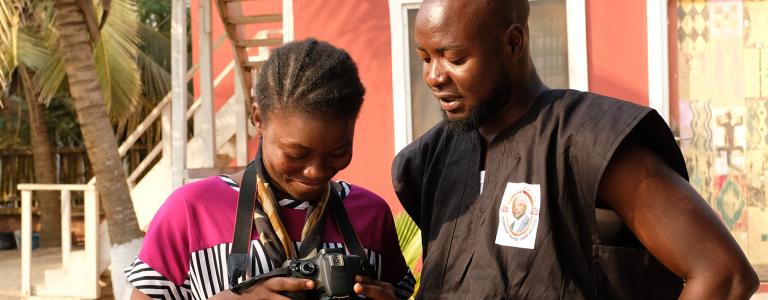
point(287, 284)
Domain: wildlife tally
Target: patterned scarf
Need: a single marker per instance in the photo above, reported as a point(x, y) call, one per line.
point(273, 235)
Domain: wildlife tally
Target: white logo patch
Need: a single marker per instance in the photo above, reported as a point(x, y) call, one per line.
point(519, 215)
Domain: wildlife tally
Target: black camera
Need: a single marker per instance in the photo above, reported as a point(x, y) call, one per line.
point(333, 272)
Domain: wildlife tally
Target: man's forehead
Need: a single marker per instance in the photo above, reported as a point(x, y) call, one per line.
point(467, 16)
point(442, 20)
point(433, 14)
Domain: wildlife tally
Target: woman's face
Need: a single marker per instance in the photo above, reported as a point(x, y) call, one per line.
point(302, 152)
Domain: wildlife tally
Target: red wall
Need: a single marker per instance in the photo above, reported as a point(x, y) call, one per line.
point(617, 49)
point(362, 28)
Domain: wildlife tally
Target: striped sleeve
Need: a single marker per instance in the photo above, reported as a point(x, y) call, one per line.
point(154, 284)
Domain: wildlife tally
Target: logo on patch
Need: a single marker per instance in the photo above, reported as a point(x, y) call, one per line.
point(519, 215)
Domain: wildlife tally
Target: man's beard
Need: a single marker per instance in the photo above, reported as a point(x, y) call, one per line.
point(482, 111)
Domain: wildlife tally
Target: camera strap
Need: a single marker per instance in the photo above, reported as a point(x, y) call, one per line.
point(244, 224)
point(238, 257)
point(348, 234)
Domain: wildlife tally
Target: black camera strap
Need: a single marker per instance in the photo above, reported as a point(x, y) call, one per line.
point(239, 257)
point(348, 234)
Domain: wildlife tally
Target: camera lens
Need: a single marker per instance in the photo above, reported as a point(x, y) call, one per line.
point(307, 268)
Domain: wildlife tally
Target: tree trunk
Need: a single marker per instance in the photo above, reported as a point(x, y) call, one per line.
point(100, 141)
point(45, 170)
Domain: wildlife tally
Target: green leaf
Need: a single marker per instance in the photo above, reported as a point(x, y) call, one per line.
point(116, 56)
point(409, 236)
point(33, 50)
point(156, 46)
point(156, 80)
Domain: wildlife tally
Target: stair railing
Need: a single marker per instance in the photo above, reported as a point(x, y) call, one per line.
point(90, 288)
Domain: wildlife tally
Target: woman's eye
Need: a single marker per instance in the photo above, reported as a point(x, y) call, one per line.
point(295, 155)
point(340, 154)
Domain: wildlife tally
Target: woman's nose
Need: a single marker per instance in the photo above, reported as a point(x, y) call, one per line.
point(317, 171)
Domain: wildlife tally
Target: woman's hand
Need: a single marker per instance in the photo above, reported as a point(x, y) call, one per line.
point(271, 288)
point(373, 289)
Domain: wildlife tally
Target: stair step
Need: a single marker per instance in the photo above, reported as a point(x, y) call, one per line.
point(244, 20)
point(198, 173)
point(253, 64)
point(64, 278)
point(45, 291)
point(259, 42)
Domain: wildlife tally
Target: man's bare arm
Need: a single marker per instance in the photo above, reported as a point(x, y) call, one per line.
point(676, 225)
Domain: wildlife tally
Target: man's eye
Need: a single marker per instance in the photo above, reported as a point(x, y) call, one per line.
point(457, 61)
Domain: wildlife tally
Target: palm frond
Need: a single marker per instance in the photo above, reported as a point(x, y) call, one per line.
point(156, 46)
point(116, 56)
point(409, 236)
point(33, 50)
point(50, 78)
point(9, 24)
point(40, 44)
point(156, 80)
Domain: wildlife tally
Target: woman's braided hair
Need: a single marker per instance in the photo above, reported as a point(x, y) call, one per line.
point(311, 77)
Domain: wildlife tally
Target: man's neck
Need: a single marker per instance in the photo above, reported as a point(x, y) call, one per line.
point(513, 110)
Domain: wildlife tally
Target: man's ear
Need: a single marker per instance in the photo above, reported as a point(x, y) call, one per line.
point(515, 41)
point(256, 118)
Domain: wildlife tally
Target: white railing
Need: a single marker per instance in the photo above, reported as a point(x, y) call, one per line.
point(91, 281)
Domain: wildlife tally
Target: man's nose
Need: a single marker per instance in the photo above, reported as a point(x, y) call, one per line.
point(435, 74)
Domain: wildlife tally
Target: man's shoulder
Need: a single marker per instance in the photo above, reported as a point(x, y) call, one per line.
point(595, 104)
point(577, 111)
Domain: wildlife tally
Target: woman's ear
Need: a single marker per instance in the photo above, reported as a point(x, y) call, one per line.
point(256, 119)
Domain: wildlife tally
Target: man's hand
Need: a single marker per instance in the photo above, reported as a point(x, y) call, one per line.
point(373, 289)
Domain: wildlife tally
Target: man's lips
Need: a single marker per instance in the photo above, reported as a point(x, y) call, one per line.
point(448, 101)
point(449, 105)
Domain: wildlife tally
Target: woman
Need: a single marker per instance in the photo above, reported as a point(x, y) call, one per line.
point(308, 97)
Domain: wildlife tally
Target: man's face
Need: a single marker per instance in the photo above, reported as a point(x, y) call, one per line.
point(462, 62)
point(518, 207)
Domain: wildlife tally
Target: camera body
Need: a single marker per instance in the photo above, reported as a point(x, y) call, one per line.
point(333, 272)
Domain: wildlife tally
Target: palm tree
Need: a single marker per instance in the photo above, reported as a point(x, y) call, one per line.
point(42, 155)
point(100, 142)
point(45, 170)
point(41, 45)
point(100, 70)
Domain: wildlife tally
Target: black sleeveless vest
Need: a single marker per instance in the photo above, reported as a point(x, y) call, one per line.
point(560, 148)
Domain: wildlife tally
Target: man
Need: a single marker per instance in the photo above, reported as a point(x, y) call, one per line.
point(520, 220)
point(573, 156)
